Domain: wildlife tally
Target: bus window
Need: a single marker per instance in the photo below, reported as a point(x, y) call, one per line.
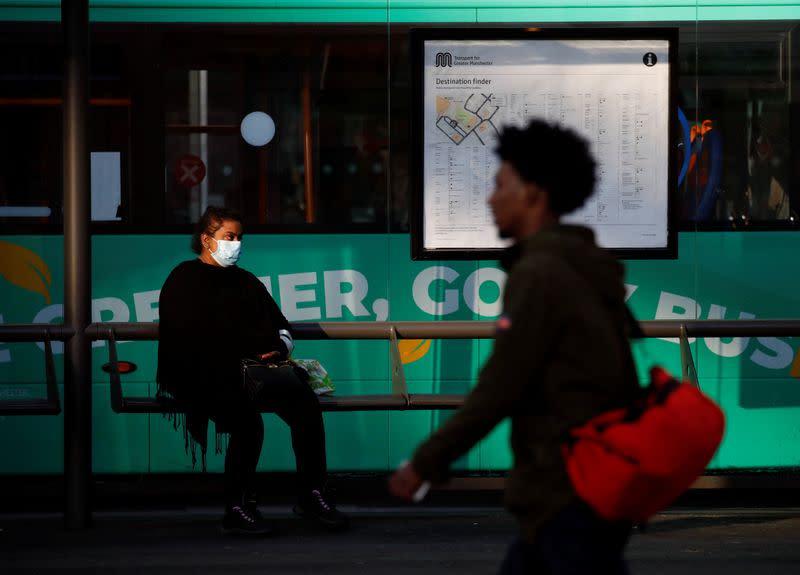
point(327, 96)
point(168, 100)
point(31, 150)
point(738, 101)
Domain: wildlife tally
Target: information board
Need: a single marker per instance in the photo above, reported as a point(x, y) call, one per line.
point(613, 87)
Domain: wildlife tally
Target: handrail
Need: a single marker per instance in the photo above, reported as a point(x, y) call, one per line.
point(35, 332)
point(51, 404)
point(327, 330)
point(478, 329)
point(393, 331)
point(721, 327)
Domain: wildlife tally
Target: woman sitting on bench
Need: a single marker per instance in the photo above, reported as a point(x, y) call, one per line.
point(213, 315)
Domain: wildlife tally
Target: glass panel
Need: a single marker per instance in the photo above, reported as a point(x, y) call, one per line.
point(325, 91)
point(738, 101)
point(338, 95)
point(30, 164)
point(31, 146)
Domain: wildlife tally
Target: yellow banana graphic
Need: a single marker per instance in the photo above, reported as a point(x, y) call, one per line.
point(413, 349)
point(24, 268)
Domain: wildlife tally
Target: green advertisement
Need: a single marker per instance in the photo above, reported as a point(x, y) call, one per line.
point(371, 278)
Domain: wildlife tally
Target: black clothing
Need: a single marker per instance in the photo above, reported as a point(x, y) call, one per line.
point(210, 319)
point(297, 405)
point(561, 356)
point(575, 541)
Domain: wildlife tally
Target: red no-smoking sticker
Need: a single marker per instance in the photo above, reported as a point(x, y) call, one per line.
point(189, 171)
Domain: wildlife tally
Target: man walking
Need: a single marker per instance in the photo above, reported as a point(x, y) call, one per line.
point(561, 356)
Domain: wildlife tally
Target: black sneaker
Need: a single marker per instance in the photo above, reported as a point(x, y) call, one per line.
point(239, 520)
point(250, 504)
point(314, 506)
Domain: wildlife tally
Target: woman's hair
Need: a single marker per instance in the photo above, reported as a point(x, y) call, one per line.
point(210, 222)
point(554, 158)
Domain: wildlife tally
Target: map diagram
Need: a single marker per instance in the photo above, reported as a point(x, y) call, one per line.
point(472, 117)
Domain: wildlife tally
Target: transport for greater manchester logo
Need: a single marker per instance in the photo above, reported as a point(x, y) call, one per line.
point(444, 59)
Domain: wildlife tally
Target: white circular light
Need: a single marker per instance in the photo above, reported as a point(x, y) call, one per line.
point(257, 128)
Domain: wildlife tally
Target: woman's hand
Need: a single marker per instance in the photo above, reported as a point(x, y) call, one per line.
point(269, 355)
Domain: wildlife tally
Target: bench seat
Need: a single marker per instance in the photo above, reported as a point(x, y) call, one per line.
point(30, 407)
point(328, 403)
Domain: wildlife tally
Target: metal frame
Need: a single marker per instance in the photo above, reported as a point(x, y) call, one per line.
point(420, 35)
point(77, 265)
point(51, 403)
point(78, 512)
point(77, 331)
point(689, 372)
point(400, 399)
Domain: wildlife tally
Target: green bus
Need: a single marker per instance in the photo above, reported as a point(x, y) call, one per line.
point(327, 202)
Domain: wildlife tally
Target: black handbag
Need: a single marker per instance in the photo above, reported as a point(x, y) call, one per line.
point(256, 374)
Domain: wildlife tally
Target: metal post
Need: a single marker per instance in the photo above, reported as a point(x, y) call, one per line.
point(77, 266)
point(688, 370)
point(399, 386)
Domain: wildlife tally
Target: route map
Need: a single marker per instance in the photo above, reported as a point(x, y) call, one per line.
point(459, 120)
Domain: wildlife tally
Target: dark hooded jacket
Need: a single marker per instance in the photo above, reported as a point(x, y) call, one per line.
point(561, 356)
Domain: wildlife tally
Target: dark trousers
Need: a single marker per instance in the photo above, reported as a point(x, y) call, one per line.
point(574, 542)
point(296, 404)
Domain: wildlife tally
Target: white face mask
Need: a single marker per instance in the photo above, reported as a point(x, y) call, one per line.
point(227, 252)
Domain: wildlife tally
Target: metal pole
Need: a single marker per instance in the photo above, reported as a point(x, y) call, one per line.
point(77, 266)
point(443, 329)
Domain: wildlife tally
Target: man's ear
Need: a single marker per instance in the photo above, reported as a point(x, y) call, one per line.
point(539, 198)
point(534, 193)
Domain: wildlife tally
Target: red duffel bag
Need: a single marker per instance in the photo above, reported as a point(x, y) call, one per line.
point(631, 463)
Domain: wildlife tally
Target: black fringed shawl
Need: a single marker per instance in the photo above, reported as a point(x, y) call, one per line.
point(210, 318)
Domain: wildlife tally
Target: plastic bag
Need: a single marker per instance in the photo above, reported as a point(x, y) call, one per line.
point(318, 377)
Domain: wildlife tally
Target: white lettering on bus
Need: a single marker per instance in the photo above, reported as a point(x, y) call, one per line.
point(668, 303)
point(421, 290)
point(336, 299)
point(291, 295)
point(472, 289)
point(437, 300)
point(47, 315)
point(736, 345)
point(781, 356)
point(267, 281)
point(146, 305)
point(783, 353)
point(119, 312)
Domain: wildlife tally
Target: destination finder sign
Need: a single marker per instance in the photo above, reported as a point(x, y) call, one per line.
point(613, 92)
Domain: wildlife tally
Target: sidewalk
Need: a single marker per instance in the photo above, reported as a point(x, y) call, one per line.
point(457, 539)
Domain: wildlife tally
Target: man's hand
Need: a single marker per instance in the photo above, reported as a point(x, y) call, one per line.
point(405, 482)
point(269, 355)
